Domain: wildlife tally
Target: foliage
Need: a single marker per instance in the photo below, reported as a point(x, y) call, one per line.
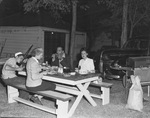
point(138, 13)
point(35, 5)
point(10, 7)
point(56, 7)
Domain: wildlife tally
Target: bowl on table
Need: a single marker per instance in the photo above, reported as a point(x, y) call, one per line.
point(66, 75)
point(72, 73)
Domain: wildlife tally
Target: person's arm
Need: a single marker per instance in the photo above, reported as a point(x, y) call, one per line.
point(92, 67)
point(36, 71)
point(55, 61)
point(66, 61)
point(9, 67)
point(79, 65)
point(53, 57)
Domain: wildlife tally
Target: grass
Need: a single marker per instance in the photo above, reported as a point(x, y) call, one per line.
point(116, 108)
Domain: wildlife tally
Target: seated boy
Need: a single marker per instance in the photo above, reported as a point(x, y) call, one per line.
point(9, 76)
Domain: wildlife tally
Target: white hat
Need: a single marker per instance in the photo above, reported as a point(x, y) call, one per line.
point(18, 53)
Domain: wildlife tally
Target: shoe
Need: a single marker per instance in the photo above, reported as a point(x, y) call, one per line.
point(35, 99)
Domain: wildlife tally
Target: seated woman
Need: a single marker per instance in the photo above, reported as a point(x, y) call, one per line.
point(86, 65)
point(34, 80)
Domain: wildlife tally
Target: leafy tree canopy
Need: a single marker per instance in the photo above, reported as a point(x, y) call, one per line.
point(138, 13)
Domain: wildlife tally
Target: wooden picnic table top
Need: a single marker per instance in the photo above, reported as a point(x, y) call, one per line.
point(70, 80)
point(75, 77)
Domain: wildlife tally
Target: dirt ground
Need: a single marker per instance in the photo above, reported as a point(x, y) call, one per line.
point(116, 108)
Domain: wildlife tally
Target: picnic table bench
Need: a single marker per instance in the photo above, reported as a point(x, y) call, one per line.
point(148, 86)
point(62, 100)
point(105, 88)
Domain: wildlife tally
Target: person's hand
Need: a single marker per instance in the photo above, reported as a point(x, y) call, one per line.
point(79, 67)
point(92, 71)
point(25, 60)
point(19, 68)
point(53, 57)
point(45, 72)
point(60, 57)
point(44, 67)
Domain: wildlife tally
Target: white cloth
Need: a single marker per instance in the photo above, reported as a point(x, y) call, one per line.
point(6, 71)
point(86, 65)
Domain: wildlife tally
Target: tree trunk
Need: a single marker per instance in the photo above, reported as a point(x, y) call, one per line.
point(73, 31)
point(124, 23)
point(131, 31)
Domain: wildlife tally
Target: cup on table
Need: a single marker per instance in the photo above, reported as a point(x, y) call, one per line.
point(66, 69)
point(60, 70)
point(54, 68)
point(76, 70)
point(82, 72)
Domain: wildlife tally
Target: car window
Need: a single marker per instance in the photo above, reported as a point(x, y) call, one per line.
point(132, 44)
point(143, 44)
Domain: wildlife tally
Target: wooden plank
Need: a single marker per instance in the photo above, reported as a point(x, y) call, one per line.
point(56, 95)
point(41, 107)
point(96, 96)
point(102, 84)
point(48, 93)
point(145, 83)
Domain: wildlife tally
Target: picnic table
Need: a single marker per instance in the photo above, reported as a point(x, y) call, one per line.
point(75, 84)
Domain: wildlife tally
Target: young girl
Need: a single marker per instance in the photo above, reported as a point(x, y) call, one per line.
point(86, 65)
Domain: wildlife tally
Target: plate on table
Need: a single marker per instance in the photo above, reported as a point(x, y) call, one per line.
point(83, 73)
point(72, 73)
point(52, 72)
point(66, 75)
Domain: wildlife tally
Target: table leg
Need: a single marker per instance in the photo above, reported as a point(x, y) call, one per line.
point(75, 104)
point(73, 91)
point(80, 92)
point(86, 93)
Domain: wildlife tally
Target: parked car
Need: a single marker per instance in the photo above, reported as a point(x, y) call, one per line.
point(111, 60)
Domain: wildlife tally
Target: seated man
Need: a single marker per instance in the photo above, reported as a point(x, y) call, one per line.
point(9, 73)
point(60, 59)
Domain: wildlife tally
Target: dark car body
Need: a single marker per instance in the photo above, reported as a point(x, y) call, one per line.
point(110, 61)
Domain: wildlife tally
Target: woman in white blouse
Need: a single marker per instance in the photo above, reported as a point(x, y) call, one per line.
point(86, 65)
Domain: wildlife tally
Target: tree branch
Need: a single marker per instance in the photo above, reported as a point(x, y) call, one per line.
point(135, 11)
point(142, 16)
